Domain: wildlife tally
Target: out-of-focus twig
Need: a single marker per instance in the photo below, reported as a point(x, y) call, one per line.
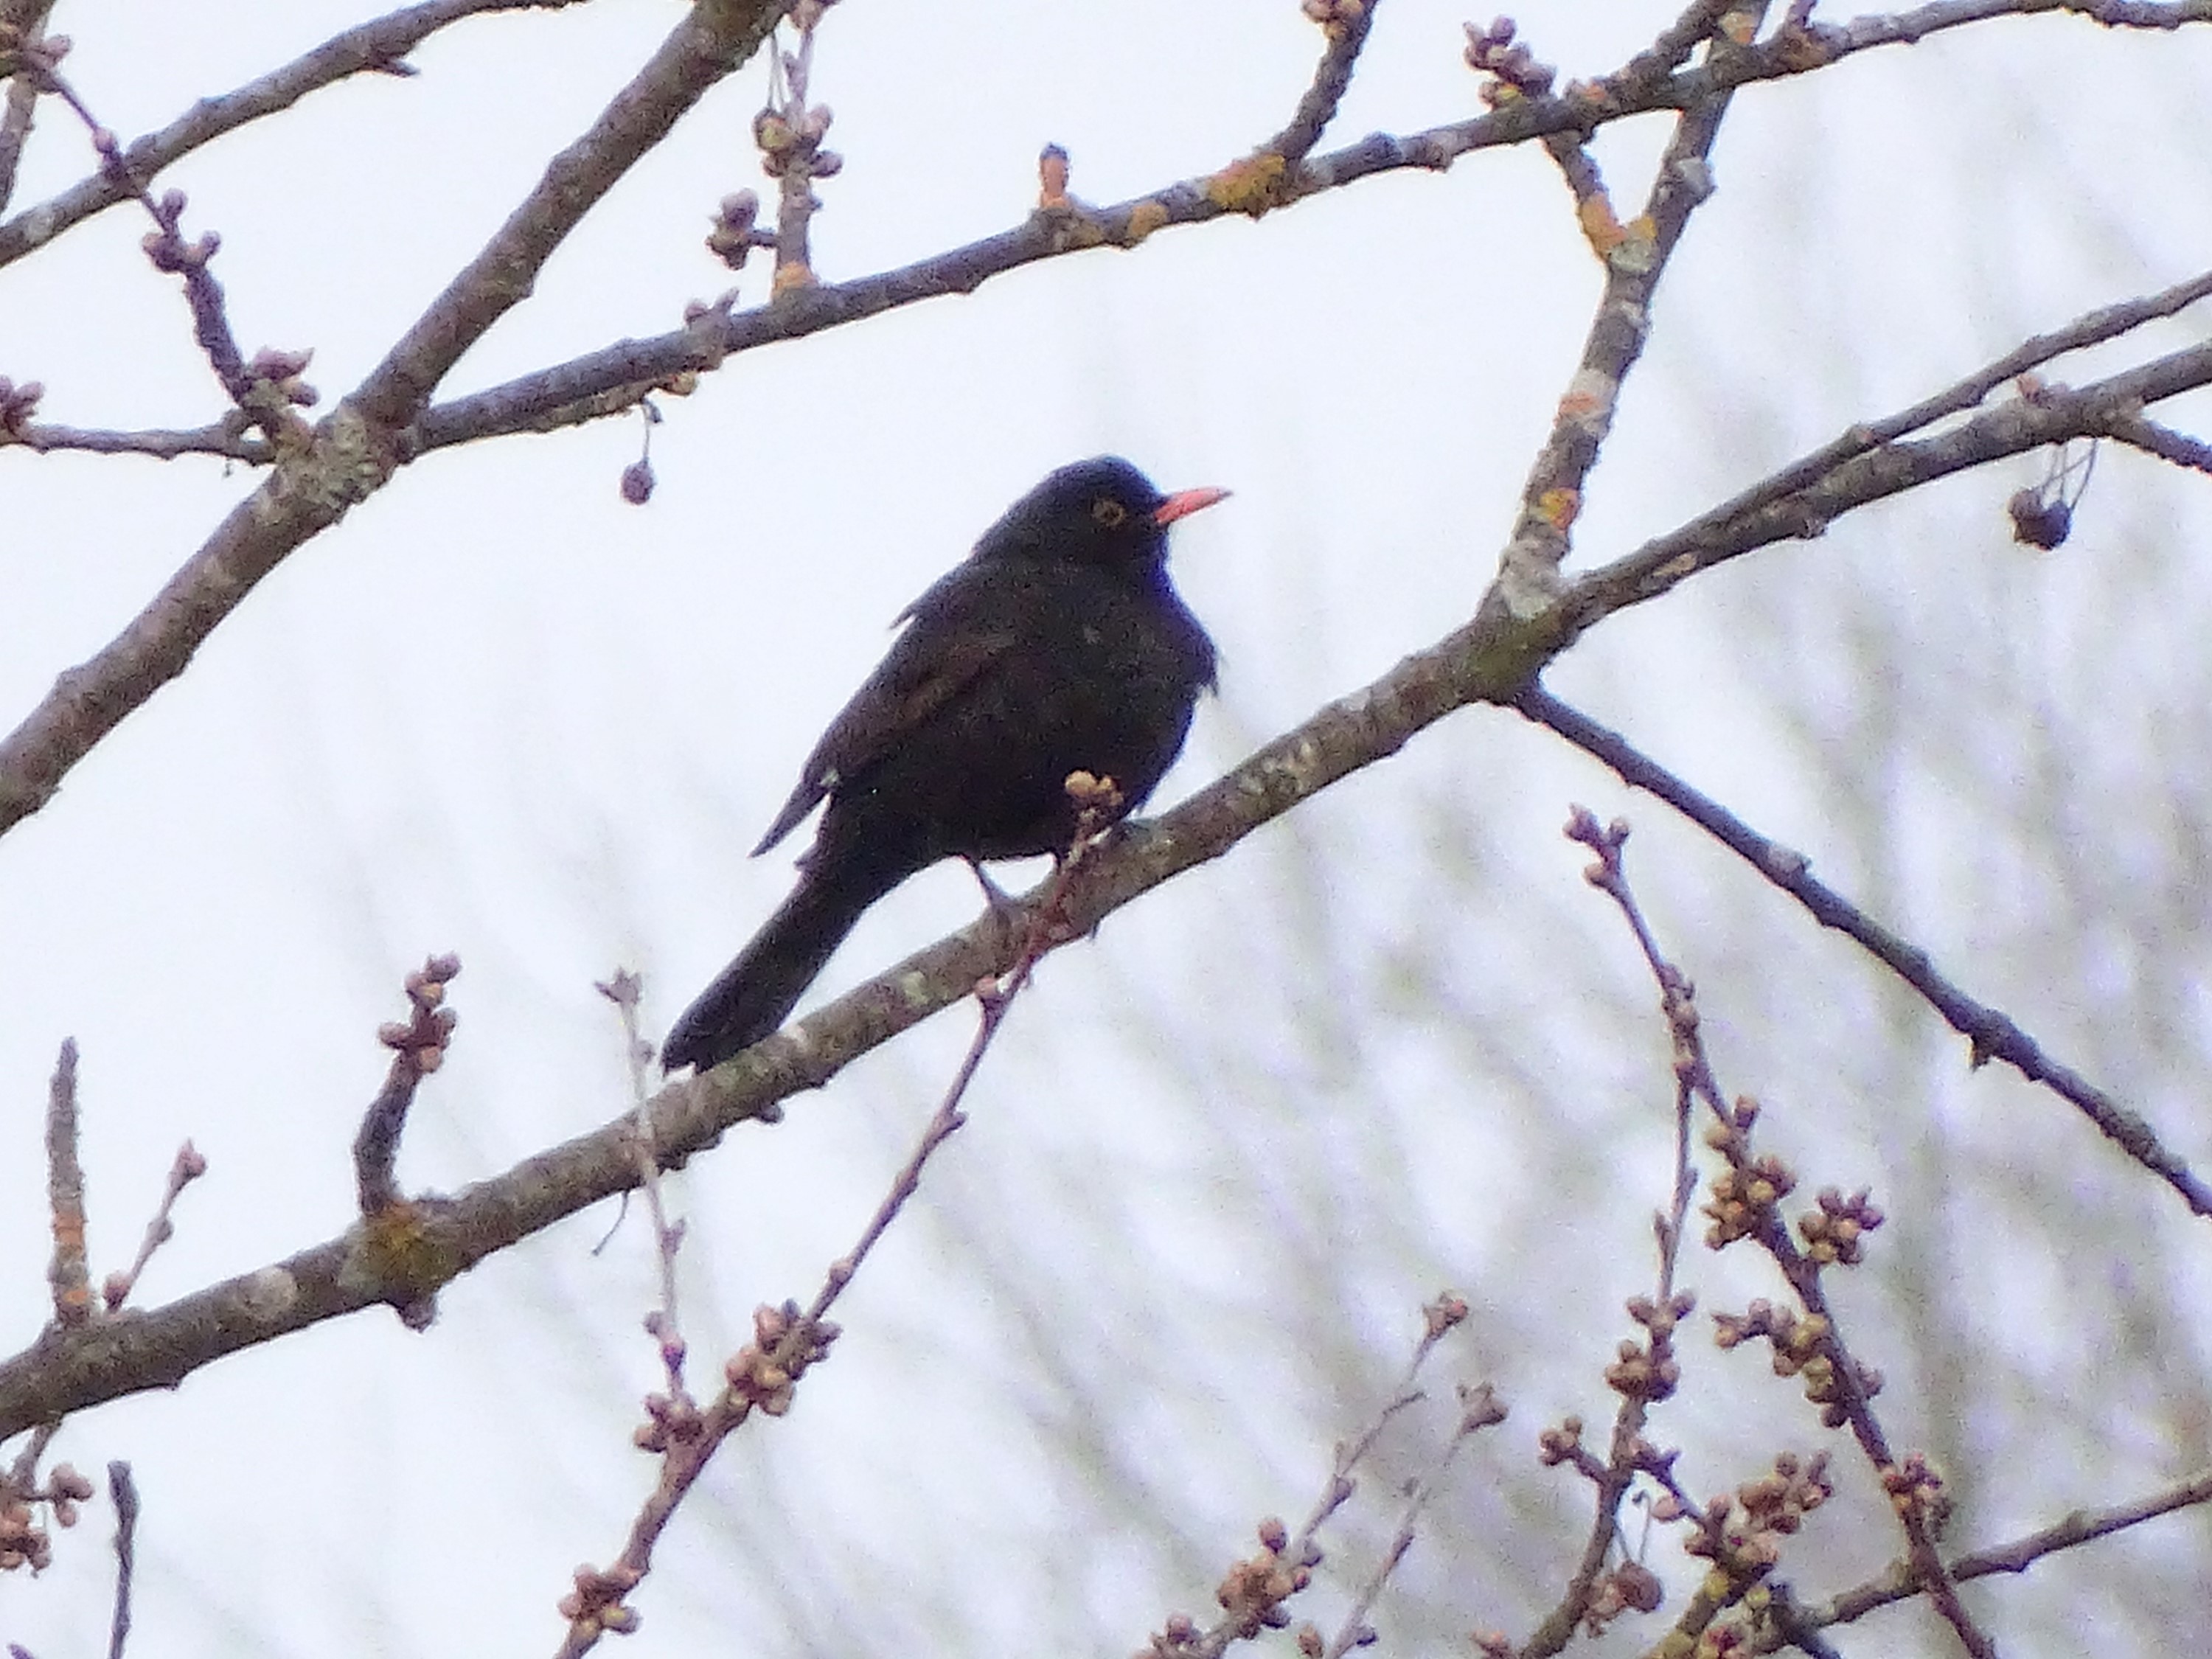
point(125, 1493)
point(664, 1324)
point(788, 1340)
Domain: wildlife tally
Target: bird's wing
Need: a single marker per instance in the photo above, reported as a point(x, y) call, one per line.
point(950, 639)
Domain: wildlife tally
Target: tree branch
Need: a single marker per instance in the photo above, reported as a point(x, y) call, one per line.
point(2051, 417)
point(1992, 1033)
point(354, 452)
point(377, 45)
point(609, 380)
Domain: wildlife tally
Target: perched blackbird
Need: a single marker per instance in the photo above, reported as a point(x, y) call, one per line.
point(1056, 646)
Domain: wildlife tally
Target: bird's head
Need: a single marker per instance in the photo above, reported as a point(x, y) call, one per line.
point(1102, 511)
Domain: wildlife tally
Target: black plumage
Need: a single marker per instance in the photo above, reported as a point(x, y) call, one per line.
point(1057, 645)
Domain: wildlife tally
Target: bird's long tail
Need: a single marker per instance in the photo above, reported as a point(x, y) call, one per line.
point(749, 998)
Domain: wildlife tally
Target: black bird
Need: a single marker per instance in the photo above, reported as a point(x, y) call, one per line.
point(1057, 645)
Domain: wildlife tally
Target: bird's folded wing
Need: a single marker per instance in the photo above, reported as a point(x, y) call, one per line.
point(946, 648)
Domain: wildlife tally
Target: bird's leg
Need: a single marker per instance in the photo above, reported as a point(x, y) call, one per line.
point(1006, 910)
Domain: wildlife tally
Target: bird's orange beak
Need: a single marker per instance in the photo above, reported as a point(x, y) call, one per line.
point(1183, 503)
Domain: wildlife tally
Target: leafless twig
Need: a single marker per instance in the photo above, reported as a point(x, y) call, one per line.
point(1480, 1409)
point(2130, 427)
point(788, 1340)
point(1747, 1205)
point(1993, 1034)
point(1665, 559)
point(70, 1273)
point(125, 1493)
point(1344, 23)
point(224, 438)
point(1255, 1592)
point(379, 45)
point(663, 1324)
point(22, 24)
point(185, 1169)
point(418, 1048)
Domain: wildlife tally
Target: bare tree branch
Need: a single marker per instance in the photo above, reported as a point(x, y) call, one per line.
point(2163, 441)
point(353, 451)
point(1993, 1034)
point(226, 438)
point(2017, 427)
point(358, 446)
point(22, 23)
point(1346, 24)
point(377, 45)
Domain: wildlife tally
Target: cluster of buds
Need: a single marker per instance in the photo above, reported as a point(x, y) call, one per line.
point(1561, 1445)
point(1649, 1371)
point(597, 1600)
point(1335, 16)
point(280, 371)
point(423, 1038)
point(737, 230)
point(39, 57)
point(1917, 1492)
point(764, 1374)
point(1800, 1349)
point(23, 1541)
point(1096, 800)
point(167, 246)
point(1746, 1546)
point(1744, 1195)
point(671, 1420)
point(1834, 1234)
point(1446, 1312)
point(1251, 1597)
point(17, 404)
point(1513, 68)
point(791, 143)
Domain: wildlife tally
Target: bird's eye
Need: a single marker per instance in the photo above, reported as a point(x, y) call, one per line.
point(1108, 512)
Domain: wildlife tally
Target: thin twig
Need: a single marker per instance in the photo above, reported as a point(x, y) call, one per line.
point(378, 45)
point(1252, 1594)
point(1717, 525)
point(1993, 1034)
point(789, 132)
point(268, 390)
point(70, 1273)
point(418, 1048)
point(664, 1324)
point(1847, 1387)
point(125, 1493)
point(185, 1169)
point(789, 1340)
point(1648, 1371)
point(2163, 441)
point(1480, 1409)
point(222, 438)
point(1346, 24)
point(21, 23)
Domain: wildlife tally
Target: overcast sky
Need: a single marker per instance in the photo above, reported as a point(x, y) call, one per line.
point(499, 711)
